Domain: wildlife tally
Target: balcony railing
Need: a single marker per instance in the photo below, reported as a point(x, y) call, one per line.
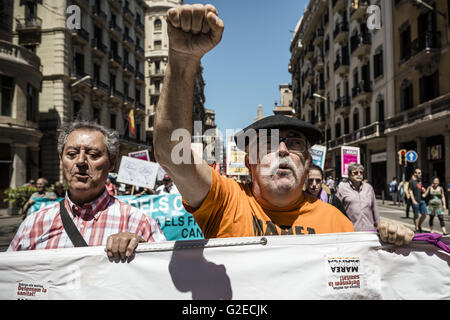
point(341, 28)
point(426, 40)
point(19, 53)
point(113, 25)
point(115, 56)
point(97, 44)
point(360, 40)
point(362, 87)
point(82, 33)
point(425, 110)
point(28, 23)
point(98, 12)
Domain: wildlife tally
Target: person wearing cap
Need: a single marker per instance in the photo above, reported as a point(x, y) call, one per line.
point(274, 202)
point(168, 187)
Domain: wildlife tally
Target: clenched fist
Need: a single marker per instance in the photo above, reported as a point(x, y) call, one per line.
point(194, 29)
point(393, 232)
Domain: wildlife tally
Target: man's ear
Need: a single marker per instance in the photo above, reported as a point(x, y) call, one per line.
point(247, 163)
point(112, 163)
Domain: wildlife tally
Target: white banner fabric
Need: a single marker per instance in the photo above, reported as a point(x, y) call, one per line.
point(324, 266)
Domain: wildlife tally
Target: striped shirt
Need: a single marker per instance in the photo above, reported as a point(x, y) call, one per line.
point(95, 220)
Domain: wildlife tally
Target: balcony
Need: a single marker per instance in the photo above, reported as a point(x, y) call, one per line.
point(115, 95)
point(129, 100)
point(128, 14)
point(360, 44)
point(116, 4)
point(83, 3)
point(309, 75)
point(426, 112)
point(128, 41)
point(28, 24)
point(140, 105)
point(342, 65)
point(100, 87)
point(99, 14)
point(115, 28)
point(362, 92)
point(128, 68)
point(139, 25)
point(339, 4)
point(139, 76)
point(80, 36)
point(114, 58)
point(318, 37)
point(155, 91)
point(424, 49)
point(139, 50)
point(358, 9)
point(18, 54)
point(340, 33)
point(309, 52)
point(318, 63)
point(98, 47)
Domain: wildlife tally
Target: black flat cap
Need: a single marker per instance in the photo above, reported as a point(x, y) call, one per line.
point(311, 132)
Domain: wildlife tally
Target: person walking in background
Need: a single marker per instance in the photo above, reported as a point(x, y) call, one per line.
point(359, 199)
point(331, 184)
point(436, 204)
point(393, 190)
point(419, 206)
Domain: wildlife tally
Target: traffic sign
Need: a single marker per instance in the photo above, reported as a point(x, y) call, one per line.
point(411, 156)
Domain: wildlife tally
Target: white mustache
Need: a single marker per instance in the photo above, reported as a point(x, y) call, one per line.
point(272, 170)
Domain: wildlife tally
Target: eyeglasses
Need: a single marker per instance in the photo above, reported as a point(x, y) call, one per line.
point(296, 144)
point(361, 173)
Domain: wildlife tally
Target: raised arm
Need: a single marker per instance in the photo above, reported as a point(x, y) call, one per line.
point(193, 31)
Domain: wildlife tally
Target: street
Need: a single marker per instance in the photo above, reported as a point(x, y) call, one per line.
point(9, 224)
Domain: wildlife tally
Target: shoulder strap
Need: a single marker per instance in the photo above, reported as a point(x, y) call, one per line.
point(71, 230)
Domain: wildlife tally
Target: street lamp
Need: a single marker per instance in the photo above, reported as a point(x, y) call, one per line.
point(316, 95)
point(79, 81)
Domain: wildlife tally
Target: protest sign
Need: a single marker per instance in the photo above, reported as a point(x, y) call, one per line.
point(142, 154)
point(137, 172)
point(321, 267)
point(235, 160)
point(168, 211)
point(348, 155)
point(318, 154)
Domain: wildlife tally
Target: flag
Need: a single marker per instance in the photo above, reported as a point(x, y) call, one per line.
point(131, 127)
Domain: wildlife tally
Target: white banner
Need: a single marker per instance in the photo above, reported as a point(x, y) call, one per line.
point(324, 266)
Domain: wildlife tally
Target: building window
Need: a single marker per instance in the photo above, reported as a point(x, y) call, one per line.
point(380, 105)
point(157, 45)
point(406, 95)
point(79, 64)
point(405, 43)
point(32, 103)
point(96, 114)
point(355, 120)
point(367, 116)
point(7, 94)
point(338, 129)
point(76, 109)
point(112, 121)
point(346, 125)
point(378, 63)
point(429, 87)
point(157, 25)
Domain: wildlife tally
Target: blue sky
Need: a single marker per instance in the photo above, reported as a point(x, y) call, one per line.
point(251, 61)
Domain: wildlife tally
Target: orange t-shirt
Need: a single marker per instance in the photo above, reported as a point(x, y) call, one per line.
point(231, 210)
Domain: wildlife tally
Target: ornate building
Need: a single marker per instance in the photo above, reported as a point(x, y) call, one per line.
point(92, 70)
point(20, 83)
point(156, 54)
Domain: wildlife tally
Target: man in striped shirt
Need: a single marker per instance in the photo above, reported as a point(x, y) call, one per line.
point(88, 152)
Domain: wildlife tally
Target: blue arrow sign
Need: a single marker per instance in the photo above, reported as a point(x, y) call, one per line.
point(411, 156)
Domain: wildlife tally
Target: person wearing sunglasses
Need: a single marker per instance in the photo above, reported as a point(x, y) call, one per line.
point(277, 152)
point(359, 199)
point(315, 187)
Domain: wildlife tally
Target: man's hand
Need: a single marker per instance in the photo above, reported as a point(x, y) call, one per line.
point(393, 232)
point(120, 246)
point(194, 29)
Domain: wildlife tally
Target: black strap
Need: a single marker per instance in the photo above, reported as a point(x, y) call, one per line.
point(71, 230)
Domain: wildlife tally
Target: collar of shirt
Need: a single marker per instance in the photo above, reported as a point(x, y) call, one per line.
point(354, 187)
point(91, 209)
